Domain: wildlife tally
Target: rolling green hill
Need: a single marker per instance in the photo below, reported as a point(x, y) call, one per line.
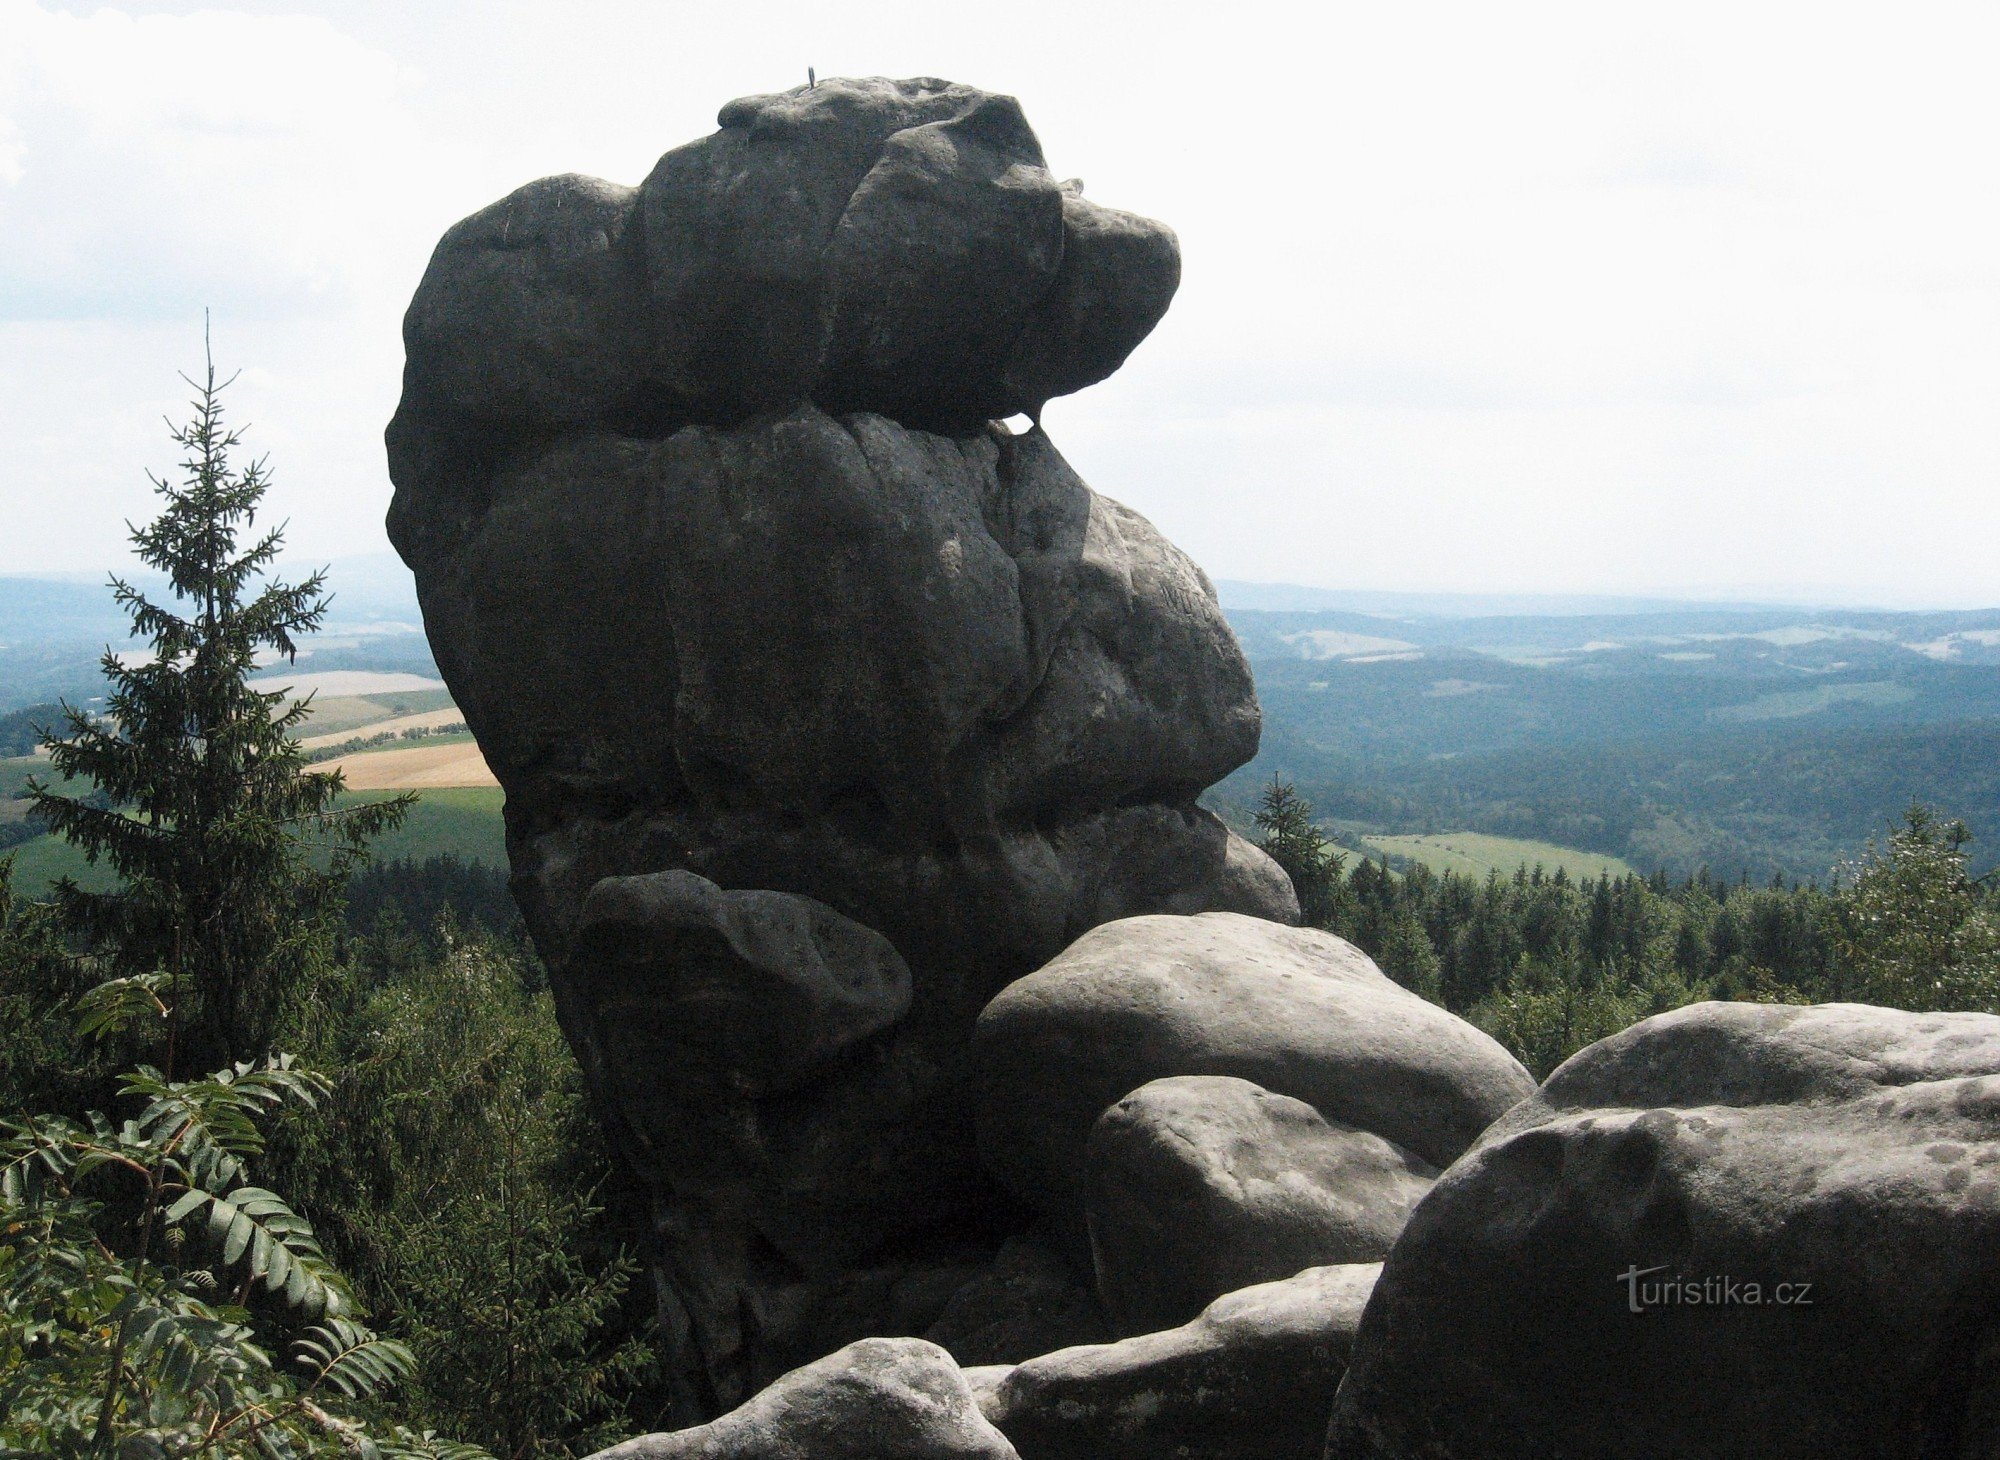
point(464, 821)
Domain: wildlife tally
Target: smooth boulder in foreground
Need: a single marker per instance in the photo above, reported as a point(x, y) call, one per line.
point(1294, 1010)
point(1251, 1378)
point(879, 1399)
point(1737, 1231)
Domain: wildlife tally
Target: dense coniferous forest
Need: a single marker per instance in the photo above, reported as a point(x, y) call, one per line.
point(1548, 964)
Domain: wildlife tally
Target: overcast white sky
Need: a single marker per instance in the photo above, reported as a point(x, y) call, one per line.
point(1628, 297)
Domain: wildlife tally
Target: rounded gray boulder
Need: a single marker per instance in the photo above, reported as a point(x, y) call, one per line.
point(878, 1399)
point(1296, 1011)
point(754, 989)
point(1251, 1378)
point(1199, 1185)
point(1737, 1231)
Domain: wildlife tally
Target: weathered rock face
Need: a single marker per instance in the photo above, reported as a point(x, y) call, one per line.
point(824, 707)
point(1803, 1206)
point(1200, 1185)
point(1295, 1011)
point(1251, 1378)
point(879, 1399)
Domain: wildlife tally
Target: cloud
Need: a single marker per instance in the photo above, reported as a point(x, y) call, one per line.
point(150, 165)
point(1542, 294)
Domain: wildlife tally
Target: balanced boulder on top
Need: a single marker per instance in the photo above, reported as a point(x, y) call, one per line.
point(897, 247)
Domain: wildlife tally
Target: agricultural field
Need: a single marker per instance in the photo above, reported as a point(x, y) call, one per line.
point(338, 714)
point(459, 803)
point(462, 820)
point(424, 720)
point(1475, 854)
point(435, 762)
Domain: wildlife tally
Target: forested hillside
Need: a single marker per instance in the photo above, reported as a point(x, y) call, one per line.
point(1760, 741)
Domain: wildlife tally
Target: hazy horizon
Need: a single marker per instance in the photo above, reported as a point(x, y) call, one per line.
point(1698, 302)
point(1235, 593)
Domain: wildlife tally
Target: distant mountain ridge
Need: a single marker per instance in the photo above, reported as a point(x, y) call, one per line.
point(1759, 740)
point(1298, 598)
point(54, 627)
point(1686, 635)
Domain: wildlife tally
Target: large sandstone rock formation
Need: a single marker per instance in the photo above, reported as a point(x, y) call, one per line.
point(1730, 1231)
point(824, 707)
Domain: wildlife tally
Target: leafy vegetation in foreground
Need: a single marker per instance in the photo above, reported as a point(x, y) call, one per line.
point(1548, 963)
point(170, 1283)
point(449, 1174)
point(145, 1282)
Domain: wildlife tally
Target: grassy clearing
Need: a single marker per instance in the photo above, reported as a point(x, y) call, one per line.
point(1475, 854)
point(1793, 703)
point(14, 773)
point(462, 820)
point(38, 864)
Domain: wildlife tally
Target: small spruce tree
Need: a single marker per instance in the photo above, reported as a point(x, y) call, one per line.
point(231, 853)
point(1289, 837)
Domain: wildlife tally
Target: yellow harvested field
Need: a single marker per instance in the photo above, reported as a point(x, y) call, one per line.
point(429, 720)
point(420, 768)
